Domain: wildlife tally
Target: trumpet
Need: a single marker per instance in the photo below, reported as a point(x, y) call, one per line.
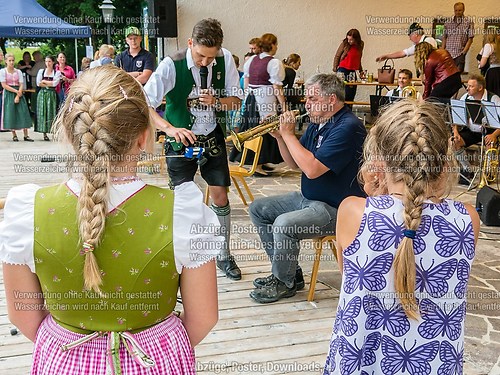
point(490, 167)
point(268, 125)
point(409, 92)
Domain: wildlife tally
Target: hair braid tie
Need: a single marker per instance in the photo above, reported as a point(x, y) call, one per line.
point(87, 248)
point(409, 233)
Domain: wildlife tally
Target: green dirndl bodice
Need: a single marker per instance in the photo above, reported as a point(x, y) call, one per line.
point(46, 109)
point(136, 259)
point(14, 116)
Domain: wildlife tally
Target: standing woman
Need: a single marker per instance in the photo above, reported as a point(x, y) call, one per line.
point(1, 88)
point(490, 62)
point(348, 59)
point(47, 79)
point(264, 76)
point(24, 66)
point(67, 77)
point(15, 112)
point(291, 64)
point(441, 77)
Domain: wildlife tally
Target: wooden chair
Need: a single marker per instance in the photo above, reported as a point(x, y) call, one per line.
point(2, 203)
point(240, 172)
point(318, 246)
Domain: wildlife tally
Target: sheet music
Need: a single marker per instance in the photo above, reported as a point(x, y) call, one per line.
point(459, 112)
point(491, 112)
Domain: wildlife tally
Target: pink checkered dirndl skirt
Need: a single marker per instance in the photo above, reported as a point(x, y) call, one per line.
point(162, 349)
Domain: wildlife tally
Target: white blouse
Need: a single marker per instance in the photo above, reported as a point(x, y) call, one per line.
point(3, 75)
point(56, 76)
point(194, 224)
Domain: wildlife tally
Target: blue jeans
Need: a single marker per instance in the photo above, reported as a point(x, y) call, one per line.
point(282, 221)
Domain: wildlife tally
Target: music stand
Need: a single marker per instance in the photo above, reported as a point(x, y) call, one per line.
point(480, 113)
point(459, 115)
point(491, 113)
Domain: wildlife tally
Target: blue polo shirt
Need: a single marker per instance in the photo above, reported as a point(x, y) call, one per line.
point(138, 63)
point(339, 146)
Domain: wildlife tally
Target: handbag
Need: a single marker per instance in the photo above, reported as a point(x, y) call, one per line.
point(485, 68)
point(386, 73)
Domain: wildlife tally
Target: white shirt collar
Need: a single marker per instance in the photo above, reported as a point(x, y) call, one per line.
point(190, 61)
point(484, 97)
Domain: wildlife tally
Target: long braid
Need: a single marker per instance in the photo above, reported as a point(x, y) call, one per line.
point(94, 151)
point(418, 136)
point(102, 122)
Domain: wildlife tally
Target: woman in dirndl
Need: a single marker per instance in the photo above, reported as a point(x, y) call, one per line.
point(46, 107)
point(92, 266)
point(15, 112)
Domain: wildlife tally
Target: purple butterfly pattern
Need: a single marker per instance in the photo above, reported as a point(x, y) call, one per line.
point(330, 359)
point(435, 279)
point(381, 202)
point(345, 319)
point(355, 245)
point(397, 359)
point(438, 322)
point(459, 206)
point(453, 360)
point(353, 358)
point(463, 271)
point(369, 276)
point(453, 239)
point(393, 319)
point(442, 207)
point(372, 334)
point(388, 233)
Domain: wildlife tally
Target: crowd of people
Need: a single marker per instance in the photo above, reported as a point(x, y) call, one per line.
point(396, 228)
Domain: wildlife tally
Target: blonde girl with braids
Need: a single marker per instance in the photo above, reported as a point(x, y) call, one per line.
point(100, 258)
point(405, 253)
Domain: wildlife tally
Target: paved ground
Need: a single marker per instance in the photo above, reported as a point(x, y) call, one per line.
point(482, 346)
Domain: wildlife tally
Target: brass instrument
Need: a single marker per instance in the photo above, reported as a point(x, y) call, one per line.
point(489, 172)
point(268, 125)
point(409, 92)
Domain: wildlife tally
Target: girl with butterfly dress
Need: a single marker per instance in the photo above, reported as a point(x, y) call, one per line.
point(406, 253)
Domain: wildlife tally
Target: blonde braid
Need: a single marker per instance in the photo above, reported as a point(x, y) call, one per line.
point(94, 152)
point(103, 116)
point(418, 135)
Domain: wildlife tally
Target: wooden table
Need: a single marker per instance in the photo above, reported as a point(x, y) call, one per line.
point(380, 86)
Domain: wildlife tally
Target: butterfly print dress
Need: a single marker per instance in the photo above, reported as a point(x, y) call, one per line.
point(371, 333)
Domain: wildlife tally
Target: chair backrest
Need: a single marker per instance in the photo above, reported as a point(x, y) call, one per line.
point(254, 145)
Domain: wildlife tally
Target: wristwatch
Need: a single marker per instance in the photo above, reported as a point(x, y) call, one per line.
point(218, 105)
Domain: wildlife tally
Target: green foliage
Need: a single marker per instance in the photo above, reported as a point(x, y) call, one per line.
point(18, 52)
point(87, 13)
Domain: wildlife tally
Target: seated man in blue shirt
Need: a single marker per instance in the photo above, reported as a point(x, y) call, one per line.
point(329, 155)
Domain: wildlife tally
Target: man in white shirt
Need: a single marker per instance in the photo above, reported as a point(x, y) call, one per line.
point(463, 138)
point(404, 80)
point(416, 35)
point(199, 83)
